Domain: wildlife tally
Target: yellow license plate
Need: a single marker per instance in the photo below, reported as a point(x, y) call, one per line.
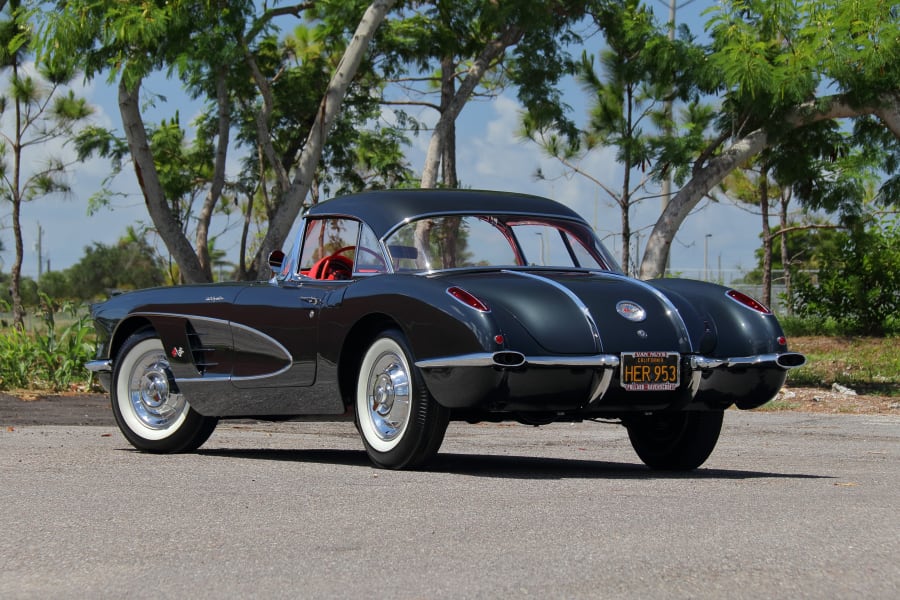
point(650, 371)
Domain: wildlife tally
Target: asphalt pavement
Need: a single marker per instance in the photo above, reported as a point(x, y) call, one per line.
point(789, 505)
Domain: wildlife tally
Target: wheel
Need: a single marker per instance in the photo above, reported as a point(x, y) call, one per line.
point(679, 441)
point(152, 415)
point(401, 425)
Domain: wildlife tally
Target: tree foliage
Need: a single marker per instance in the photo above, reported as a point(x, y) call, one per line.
point(224, 53)
point(768, 63)
point(629, 85)
point(37, 111)
point(860, 288)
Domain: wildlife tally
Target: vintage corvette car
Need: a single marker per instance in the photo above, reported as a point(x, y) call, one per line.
point(407, 309)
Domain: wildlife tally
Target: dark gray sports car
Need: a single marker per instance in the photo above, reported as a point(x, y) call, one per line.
point(406, 309)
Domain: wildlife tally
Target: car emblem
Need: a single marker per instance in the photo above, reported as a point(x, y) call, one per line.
point(631, 311)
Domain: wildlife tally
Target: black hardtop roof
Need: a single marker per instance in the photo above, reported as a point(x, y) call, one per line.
point(383, 210)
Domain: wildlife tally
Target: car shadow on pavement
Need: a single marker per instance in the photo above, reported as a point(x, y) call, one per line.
point(505, 466)
point(531, 467)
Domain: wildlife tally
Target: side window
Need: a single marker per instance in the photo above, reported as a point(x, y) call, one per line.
point(329, 248)
point(543, 246)
point(369, 258)
point(585, 258)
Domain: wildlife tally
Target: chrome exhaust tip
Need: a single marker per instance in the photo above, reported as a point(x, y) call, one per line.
point(507, 359)
point(790, 360)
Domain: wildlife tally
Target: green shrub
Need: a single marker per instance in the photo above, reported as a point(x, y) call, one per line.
point(858, 286)
point(49, 357)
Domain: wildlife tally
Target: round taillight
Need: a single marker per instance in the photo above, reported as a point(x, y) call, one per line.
point(468, 299)
point(745, 300)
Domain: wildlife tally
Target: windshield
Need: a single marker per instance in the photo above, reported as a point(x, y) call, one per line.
point(457, 242)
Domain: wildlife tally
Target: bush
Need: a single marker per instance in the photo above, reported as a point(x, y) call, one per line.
point(858, 286)
point(50, 359)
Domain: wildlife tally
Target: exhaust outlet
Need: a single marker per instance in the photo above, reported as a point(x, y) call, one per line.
point(790, 360)
point(508, 359)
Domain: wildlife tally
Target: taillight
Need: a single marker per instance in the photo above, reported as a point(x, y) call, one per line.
point(468, 299)
point(742, 298)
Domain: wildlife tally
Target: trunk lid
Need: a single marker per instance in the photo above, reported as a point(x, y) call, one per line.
point(578, 312)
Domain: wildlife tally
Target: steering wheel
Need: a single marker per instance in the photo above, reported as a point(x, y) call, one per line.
point(338, 267)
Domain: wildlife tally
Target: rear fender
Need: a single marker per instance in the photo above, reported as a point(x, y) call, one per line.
point(730, 328)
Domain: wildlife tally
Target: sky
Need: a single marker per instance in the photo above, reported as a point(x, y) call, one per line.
point(718, 237)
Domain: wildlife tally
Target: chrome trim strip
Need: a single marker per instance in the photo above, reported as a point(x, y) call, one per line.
point(485, 359)
point(479, 359)
point(760, 360)
point(602, 386)
point(99, 366)
point(252, 331)
point(468, 213)
point(585, 311)
point(662, 298)
point(606, 361)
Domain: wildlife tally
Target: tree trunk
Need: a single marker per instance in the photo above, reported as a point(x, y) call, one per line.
point(218, 181)
point(329, 108)
point(489, 54)
point(660, 241)
point(707, 176)
point(166, 224)
point(16, 198)
point(767, 237)
point(785, 258)
point(15, 288)
point(448, 154)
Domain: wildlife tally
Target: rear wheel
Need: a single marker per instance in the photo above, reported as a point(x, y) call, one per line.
point(151, 413)
point(679, 441)
point(401, 425)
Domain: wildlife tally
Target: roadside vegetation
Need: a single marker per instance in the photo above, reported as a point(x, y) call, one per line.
point(866, 365)
point(50, 353)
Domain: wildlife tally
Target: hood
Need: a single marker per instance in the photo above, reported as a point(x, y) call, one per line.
point(577, 312)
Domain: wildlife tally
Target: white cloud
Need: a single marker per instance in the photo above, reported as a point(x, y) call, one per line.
point(491, 155)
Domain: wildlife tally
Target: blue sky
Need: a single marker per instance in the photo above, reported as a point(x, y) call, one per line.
point(490, 156)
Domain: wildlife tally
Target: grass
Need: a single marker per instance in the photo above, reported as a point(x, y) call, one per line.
point(866, 364)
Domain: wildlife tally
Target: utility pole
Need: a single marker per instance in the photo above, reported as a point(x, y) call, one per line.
point(668, 109)
point(706, 257)
point(669, 112)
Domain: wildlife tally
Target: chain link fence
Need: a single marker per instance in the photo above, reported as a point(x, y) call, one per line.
point(736, 278)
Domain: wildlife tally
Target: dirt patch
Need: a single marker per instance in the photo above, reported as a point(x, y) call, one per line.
point(65, 409)
point(804, 399)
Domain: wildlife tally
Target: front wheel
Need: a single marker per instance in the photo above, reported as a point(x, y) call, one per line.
point(679, 441)
point(401, 425)
point(151, 413)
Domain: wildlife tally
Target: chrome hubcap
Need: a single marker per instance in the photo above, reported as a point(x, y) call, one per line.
point(152, 400)
point(388, 397)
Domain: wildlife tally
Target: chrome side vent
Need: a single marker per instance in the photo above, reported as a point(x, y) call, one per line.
point(200, 354)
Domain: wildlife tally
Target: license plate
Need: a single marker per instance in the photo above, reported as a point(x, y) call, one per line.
point(650, 371)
